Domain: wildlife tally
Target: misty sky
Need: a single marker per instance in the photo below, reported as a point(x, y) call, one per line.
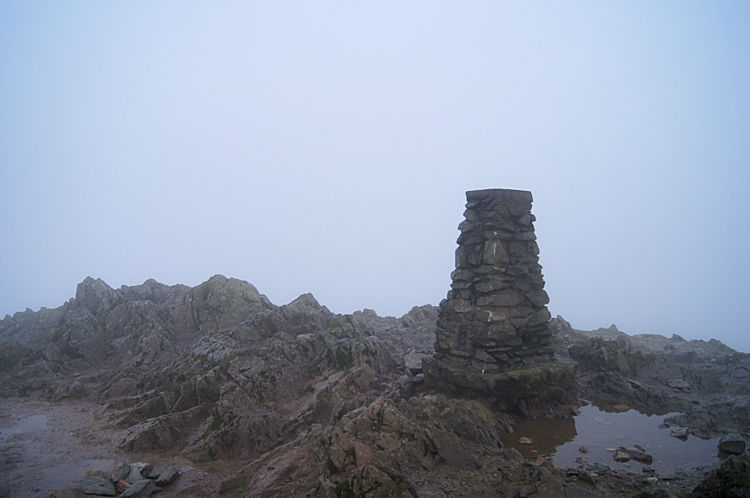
point(325, 147)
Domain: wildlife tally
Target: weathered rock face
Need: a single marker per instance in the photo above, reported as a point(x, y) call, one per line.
point(493, 334)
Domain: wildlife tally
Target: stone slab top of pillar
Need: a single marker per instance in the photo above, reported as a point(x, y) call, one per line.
point(478, 195)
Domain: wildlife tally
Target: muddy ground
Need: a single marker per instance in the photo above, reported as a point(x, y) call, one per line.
point(47, 446)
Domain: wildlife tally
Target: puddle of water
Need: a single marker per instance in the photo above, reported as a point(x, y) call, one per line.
point(601, 432)
point(24, 425)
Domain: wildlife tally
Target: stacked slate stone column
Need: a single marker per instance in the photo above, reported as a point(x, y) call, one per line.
point(493, 337)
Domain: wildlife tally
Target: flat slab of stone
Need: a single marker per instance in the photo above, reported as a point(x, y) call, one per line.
point(94, 485)
point(733, 444)
point(140, 489)
point(121, 471)
point(138, 471)
point(167, 475)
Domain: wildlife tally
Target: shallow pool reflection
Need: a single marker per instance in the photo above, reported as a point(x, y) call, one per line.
point(601, 432)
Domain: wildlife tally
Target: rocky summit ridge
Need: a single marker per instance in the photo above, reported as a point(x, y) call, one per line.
point(305, 402)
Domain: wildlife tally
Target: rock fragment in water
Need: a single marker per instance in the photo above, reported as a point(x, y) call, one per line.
point(679, 432)
point(637, 455)
point(525, 440)
point(732, 443)
point(621, 456)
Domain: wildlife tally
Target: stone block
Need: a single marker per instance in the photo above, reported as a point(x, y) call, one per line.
point(503, 298)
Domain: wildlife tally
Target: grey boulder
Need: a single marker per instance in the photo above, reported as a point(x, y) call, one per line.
point(141, 489)
point(93, 485)
point(732, 444)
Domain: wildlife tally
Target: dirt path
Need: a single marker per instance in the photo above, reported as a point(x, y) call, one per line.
point(46, 446)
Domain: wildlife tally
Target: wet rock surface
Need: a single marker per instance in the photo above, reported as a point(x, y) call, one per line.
point(253, 399)
point(615, 368)
point(733, 444)
point(731, 478)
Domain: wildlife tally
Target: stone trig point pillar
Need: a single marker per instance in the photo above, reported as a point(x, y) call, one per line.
point(493, 339)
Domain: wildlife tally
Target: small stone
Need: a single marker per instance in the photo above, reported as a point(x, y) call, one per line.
point(583, 449)
point(525, 440)
point(138, 471)
point(679, 432)
point(120, 471)
point(121, 486)
point(167, 475)
point(732, 443)
point(140, 489)
point(96, 486)
point(637, 455)
point(585, 476)
point(648, 470)
point(620, 456)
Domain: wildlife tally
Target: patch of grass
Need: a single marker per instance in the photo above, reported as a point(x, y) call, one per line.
point(400, 488)
point(344, 489)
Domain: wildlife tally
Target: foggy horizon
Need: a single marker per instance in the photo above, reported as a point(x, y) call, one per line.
point(327, 147)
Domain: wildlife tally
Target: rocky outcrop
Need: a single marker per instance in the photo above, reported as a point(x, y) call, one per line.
point(216, 371)
point(313, 403)
point(223, 400)
point(731, 478)
point(493, 337)
point(705, 380)
point(135, 329)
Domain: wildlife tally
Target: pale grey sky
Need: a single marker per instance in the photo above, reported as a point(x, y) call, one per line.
point(326, 146)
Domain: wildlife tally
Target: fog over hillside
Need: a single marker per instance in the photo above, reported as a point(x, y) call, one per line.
point(325, 147)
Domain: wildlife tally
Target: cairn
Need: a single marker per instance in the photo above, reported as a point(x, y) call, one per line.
point(493, 337)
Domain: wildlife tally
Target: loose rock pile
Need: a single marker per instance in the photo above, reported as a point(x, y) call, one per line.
point(128, 480)
point(493, 332)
